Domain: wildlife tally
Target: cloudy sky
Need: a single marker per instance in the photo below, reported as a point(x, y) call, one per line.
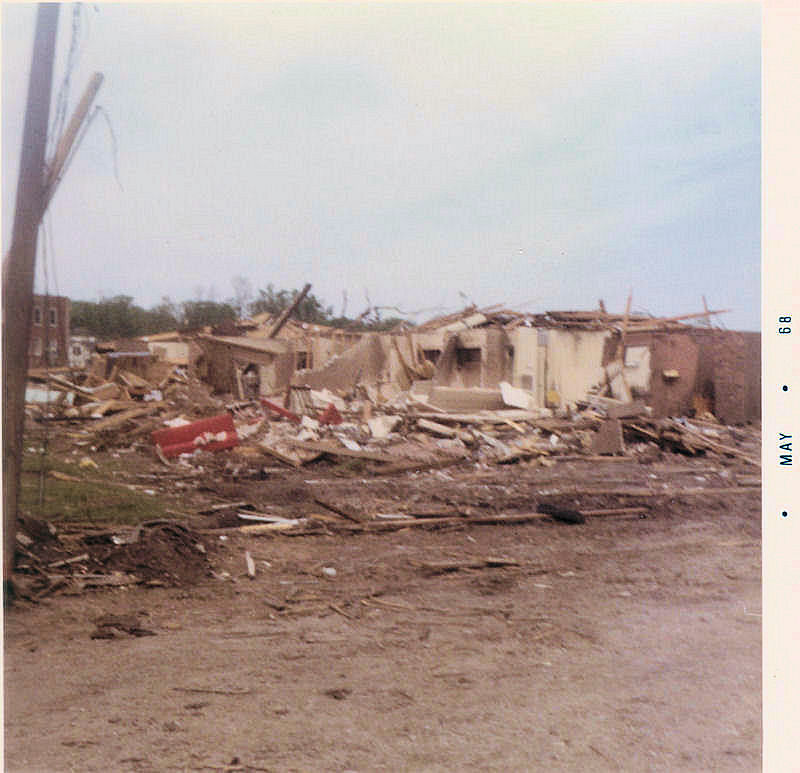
point(542, 156)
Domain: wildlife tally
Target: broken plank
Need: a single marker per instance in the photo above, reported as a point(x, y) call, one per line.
point(520, 454)
point(485, 417)
point(292, 461)
point(646, 492)
point(699, 437)
point(443, 567)
point(345, 512)
point(69, 386)
point(435, 428)
point(325, 448)
point(223, 506)
point(615, 511)
point(486, 520)
point(66, 561)
point(419, 466)
point(112, 422)
point(592, 458)
point(618, 409)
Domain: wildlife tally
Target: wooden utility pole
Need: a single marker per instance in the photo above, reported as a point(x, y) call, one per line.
point(18, 270)
point(288, 312)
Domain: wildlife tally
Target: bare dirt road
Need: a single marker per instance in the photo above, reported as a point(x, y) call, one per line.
point(623, 643)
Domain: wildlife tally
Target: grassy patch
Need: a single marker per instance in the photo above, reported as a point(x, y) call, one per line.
point(89, 498)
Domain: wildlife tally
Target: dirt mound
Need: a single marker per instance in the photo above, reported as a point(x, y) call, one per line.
point(167, 552)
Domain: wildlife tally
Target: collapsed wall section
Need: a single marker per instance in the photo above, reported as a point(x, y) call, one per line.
point(366, 362)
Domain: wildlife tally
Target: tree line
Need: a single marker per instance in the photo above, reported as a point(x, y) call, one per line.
point(119, 317)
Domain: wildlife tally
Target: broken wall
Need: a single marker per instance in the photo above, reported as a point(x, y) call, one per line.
point(730, 368)
point(529, 367)
point(717, 370)
point(366, 362)
point(574, 362)
point(478, 359)
point(222, 359)
point(673, 352)
point(176, 352)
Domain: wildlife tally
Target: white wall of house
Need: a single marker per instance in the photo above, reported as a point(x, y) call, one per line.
point(574, 362)
point(170, 351)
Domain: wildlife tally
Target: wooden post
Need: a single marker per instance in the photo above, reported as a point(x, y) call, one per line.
point(18, 270)
point(707, 318)
point(288, 312)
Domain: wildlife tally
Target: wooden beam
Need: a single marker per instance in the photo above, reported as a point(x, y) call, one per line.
point(288, 311)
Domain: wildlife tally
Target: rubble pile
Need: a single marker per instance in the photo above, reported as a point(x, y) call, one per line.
point(153, 553)
point(177, 417)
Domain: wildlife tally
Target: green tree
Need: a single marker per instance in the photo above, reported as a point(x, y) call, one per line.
point(311, 309)
point(200, 313)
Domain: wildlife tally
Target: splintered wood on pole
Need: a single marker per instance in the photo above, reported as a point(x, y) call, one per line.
point(64, 149)
point(18, 269)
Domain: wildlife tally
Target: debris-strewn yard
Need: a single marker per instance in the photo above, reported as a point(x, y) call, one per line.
point(486, 592)
point(362, 579)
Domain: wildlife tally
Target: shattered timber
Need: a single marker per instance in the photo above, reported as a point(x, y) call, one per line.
point(395, 547)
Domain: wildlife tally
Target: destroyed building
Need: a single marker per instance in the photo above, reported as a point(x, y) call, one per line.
point(557, 358)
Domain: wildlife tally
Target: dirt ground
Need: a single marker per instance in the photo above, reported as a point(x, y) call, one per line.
point(623, 643)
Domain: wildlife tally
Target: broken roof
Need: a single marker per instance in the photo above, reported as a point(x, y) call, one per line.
point(268, 345)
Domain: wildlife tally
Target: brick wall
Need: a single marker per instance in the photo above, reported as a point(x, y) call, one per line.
point(49, 332)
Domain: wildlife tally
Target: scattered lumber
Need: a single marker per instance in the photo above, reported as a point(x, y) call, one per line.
point(697, 438)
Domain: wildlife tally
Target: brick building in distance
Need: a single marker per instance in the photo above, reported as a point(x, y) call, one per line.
point(49, 331)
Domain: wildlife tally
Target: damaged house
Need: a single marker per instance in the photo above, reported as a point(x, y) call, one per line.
point(472, 360)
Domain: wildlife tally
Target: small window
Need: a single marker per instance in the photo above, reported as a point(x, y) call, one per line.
point(37, 346)
point(432, 355)
point(467, 356)
point(52, 347)
point(635, 356)
point(77, 350)
point(53, 317)
point(37, 316)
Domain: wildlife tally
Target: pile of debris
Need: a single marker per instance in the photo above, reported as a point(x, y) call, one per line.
point(407, 434)
point(105, 399)
point(155, 553)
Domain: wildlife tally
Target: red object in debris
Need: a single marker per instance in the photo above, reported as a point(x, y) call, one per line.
point(330, 415)
point(214, 434)
point(280, 410)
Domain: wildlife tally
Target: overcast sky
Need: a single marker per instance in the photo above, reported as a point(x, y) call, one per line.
point(542, 156)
